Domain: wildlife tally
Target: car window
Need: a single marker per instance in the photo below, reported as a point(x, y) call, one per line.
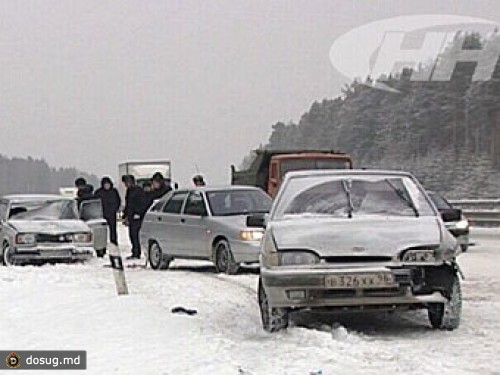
point(56, 209)
point(195, 205)
point(157, 206)
point(238, 202)
point(174, 204)
point(91, 209)
point(440, 202)
point(356, 195)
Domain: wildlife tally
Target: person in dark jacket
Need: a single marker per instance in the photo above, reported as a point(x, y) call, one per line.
point(160, 186)
point(135, 208)
point(111, 202)
point(85, 191)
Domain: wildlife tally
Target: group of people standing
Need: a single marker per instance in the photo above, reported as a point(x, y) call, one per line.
point(137, 201)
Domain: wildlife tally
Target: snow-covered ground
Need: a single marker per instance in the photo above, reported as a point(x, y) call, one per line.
point(75, 307)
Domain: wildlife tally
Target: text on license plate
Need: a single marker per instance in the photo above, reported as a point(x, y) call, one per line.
point(362, 281)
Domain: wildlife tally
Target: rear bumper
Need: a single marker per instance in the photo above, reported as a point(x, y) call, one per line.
point(56, 253)
point(307, 289)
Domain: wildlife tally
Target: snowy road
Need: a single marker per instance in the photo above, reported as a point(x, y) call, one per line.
point(74, 307)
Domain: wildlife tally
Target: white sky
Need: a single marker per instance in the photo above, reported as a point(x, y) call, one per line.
point(92, 83)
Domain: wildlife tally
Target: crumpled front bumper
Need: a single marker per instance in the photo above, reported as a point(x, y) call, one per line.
point(52, 253)
point(306, 288)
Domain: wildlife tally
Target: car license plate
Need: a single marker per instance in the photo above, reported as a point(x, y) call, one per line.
point(56, 253)
point(360, 281)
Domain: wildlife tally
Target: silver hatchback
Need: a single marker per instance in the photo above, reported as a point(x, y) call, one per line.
point(356, 240)
point(205, 223)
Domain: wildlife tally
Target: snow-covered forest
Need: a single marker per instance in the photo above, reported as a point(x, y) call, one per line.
point(447, 133)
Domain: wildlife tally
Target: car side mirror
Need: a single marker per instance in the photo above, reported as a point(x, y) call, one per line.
point(452, 214)
point(256, 221)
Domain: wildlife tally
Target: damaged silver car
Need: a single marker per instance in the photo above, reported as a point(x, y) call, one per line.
point(42, 228)
point(356, 240)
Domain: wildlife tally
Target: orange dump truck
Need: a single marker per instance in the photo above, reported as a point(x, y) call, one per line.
point(268, 167)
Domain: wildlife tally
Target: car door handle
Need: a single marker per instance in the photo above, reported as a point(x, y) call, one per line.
point(159, 219)
point(183, 220)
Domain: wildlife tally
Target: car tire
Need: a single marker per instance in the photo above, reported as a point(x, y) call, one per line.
point(224, 259)
point(464, 248)
point(100, 253)
point(273, 319)
point(157, 259)
point(6, 261)
point(446, 316)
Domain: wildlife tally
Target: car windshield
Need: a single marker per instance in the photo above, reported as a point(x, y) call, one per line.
point(44, 210)
point(352, 196)
point(289, 165)
point(238, 202)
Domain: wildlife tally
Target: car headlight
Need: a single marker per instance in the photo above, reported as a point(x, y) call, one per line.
point(419, 256)
point(26, 239)
point(291, 258)
point(252, 235)
point(462, 224)
point(269, 251)
point(82, 237)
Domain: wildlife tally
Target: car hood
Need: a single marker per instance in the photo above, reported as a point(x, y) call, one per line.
point(49, 226)
point(358, 236)
point(233, 221)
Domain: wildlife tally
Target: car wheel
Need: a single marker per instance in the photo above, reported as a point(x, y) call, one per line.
point(447, 315)
point(224, 260)
point(464, 248)
point(157, 259)
point(273, 319)
point(7, 255)
point(100, 253)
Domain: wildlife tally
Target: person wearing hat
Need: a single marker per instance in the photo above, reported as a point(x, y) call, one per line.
point(198, 180)
point(160, 186)
point(84, 191)
point(111, 202)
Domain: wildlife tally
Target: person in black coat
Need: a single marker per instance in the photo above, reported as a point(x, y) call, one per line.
point(85, 191)
point(111, 202)
point(135, 208)
point(161, 186)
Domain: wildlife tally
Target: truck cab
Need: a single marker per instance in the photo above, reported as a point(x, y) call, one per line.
point(268, 167)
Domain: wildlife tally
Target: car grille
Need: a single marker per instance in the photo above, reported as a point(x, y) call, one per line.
point(350, 293)
point(357, 259)
point(53, 238)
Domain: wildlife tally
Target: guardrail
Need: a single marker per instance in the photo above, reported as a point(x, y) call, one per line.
point(480, 212)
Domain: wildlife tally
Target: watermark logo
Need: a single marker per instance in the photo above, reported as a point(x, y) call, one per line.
point(13, 360)
point(383, 48)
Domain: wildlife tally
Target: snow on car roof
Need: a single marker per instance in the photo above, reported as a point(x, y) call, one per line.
point(207, 189)
point(346, 172)
point(34, 197)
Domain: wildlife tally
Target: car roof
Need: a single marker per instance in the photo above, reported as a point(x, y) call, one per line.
point(346, 172)
point(34, 197)
point(208, 189)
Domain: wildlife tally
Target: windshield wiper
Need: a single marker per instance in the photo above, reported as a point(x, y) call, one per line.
point(350, 207)
point(402, 195)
